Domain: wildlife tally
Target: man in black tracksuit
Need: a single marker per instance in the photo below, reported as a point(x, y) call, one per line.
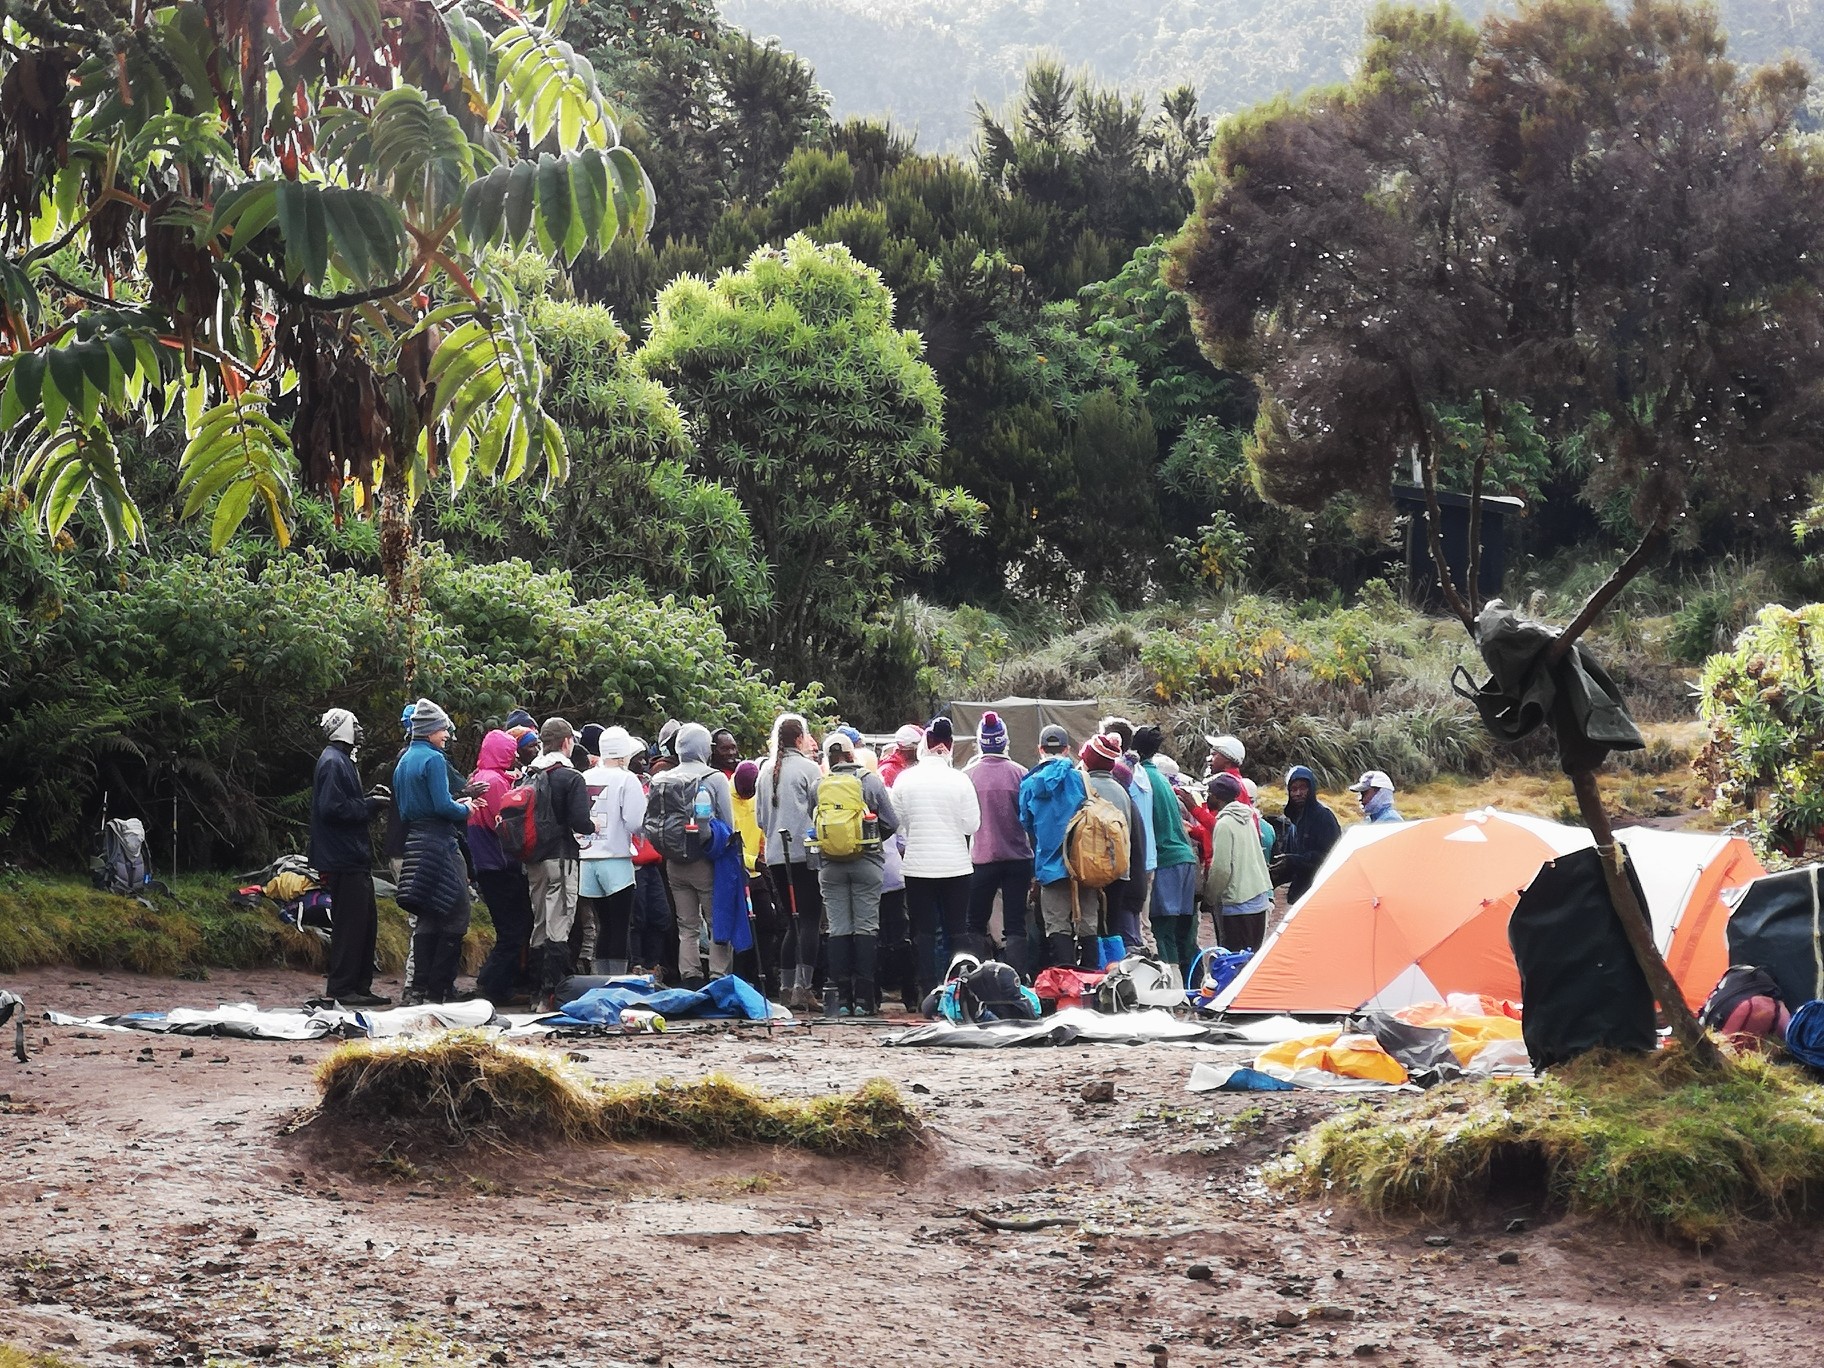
point(341, 851)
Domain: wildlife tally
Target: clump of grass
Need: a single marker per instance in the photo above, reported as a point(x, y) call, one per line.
point(65, 921)
point(1644, 1140)
point(464, 1083)
point(11, 1356)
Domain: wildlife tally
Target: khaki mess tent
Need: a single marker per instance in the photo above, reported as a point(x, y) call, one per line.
point(1024, 718)
point(1412, 912)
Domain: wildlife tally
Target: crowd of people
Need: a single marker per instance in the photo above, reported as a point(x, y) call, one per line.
point(815, 864)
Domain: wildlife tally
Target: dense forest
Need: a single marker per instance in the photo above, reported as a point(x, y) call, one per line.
point(622, 375)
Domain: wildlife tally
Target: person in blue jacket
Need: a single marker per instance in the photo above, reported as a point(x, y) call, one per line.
point(434, 879)
point(1050, 795)
point(342, 853)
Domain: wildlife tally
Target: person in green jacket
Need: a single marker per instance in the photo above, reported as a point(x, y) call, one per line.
point(1237, 888)
point(1175, 877)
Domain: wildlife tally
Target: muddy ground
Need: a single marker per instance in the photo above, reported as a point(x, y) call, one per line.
point(156, 1210)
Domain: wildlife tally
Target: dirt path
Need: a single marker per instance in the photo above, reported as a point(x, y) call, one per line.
point(155, 1213)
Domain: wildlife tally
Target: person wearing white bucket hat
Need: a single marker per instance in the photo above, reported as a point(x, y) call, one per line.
point(1375, 791)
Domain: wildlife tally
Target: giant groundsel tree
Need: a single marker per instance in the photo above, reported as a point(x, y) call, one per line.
point(280, 214)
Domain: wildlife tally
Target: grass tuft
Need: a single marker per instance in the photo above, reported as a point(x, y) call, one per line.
point(1643, 1140)
point(464, 1083)
point(46, 921)
point(11, 1356)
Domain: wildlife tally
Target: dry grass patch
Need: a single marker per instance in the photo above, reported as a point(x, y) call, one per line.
point(1643, 1140)
point(464, 1083)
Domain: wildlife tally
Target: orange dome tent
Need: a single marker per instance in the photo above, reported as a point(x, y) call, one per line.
point(1410, 913)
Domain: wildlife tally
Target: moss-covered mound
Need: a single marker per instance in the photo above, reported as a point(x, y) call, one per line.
point(464, 1083)
point(1645, 1140)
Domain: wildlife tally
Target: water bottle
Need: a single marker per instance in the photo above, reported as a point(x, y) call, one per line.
point(870, 828)
point(810, 839)
point(700, 812)
point(641, 1020)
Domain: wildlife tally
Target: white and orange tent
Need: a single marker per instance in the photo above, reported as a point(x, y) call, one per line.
point(1411, 912)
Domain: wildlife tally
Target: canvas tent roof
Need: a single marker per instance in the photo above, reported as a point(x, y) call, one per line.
point(1024, 718)
point(1408, 913)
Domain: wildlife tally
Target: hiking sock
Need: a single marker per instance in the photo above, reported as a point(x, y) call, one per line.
point(1014, 953)
point(864, 955)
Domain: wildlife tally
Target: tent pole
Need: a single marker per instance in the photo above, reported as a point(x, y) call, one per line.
point(1639, 931)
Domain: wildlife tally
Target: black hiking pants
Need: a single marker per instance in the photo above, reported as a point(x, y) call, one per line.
point(353, 924)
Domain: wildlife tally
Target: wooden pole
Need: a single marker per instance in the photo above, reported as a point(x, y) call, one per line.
point(1639, 929)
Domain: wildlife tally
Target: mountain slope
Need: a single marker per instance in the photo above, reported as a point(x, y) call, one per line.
point(926, 62)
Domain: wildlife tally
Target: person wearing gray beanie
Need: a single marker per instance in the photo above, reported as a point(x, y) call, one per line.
point(434, 879)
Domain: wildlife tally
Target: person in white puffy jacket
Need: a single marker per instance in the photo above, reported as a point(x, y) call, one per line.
point(938, 814)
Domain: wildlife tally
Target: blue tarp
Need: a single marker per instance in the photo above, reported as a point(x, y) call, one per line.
point(726, 997)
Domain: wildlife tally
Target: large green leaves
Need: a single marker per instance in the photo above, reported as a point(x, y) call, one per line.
point(359, 230)
point(550, 88)
point(563, 203)
point(485, 383)
point(236, 453)
point(70, 463)
point(420, 152)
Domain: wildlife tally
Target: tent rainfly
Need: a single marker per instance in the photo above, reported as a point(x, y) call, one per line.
point(1408, 913)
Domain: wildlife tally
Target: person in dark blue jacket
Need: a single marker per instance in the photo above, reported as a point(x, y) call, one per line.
point(434, 880)
point(1311, 830)
point(1050, 795)
point(341, 851)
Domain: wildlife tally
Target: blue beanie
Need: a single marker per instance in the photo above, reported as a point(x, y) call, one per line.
point(991, 734)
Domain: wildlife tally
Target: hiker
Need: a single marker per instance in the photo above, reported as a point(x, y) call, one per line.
point(665, 749)
point(651, 934)
point(553, 865)
point(1001, 850)
point(894, 961)
point(1237, 888)
point(502, 880)
point(1099, 756)
point(786, 800)
point(1311, 829)
point(724, 751)
point(1375, 791)
point(433, 878)
point(769, 925)
point(342, 852)
point(854, 819)
point(1050, 795)
point(683, 802)
point(906, 742)
point(1227, 755)
point(938, 814)
point(1175, 874)
point(617, 807)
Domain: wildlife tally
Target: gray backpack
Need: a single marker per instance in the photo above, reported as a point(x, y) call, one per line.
point(123, 866)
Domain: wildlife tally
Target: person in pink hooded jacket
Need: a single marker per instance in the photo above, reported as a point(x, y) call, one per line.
point(502, 881)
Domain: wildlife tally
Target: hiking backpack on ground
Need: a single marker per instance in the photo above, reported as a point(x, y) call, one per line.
point(1095, 843)
point(517, 825)
point(123, 865)
point(670, 815)
point(841, 811)
point(1745, 1006)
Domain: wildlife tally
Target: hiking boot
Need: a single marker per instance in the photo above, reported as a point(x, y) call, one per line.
point(412, 998)
point(362, 1001)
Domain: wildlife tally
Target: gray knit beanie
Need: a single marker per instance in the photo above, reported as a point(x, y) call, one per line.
point(428, 718)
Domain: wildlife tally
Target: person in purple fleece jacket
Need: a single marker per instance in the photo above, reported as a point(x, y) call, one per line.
point(1002, 853)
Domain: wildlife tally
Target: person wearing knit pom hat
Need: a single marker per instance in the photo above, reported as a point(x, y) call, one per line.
point(434, 878)
point(1236, 888)
point(904, 752)
point(938, 814)
point(1001, 850)
point(1175, 875)
point(1100, 756)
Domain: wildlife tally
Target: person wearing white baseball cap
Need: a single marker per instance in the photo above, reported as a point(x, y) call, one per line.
point(1375, 790)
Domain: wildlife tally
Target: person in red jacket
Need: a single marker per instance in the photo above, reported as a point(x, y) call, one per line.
point(903, 753)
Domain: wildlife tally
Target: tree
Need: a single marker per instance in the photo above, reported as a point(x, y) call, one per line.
point(822, 417)
point(281, 213)
point(1594, 215)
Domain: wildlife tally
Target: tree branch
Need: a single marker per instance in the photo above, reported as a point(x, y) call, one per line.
point(1434, 516)
point(273, 281)
point(1605, 594)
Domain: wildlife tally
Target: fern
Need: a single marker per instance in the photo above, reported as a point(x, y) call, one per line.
point(235, 453)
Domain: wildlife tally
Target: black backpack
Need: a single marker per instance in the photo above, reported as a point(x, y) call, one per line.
point(1738, 983)
point(670, 809)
